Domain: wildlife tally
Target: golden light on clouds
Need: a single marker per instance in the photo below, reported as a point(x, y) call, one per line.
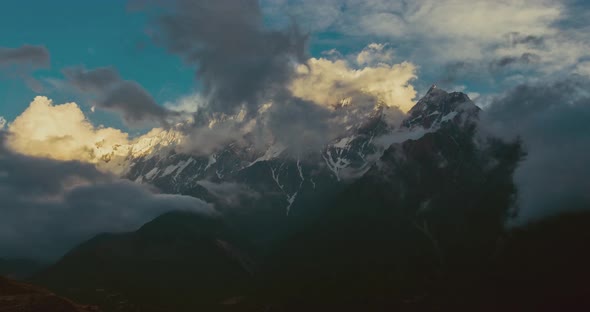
point(62, 132)
point(331, 82)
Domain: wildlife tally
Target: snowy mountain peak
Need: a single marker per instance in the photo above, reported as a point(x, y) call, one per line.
point(439, 106)
point(288, 181)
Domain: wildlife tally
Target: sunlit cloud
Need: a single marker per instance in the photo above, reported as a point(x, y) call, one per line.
point(62, 132)
point(332, 82)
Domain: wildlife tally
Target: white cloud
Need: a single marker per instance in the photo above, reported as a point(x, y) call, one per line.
point(375, 53)
point(62, 132)
point(187, 104)
point(334, 82)
point(2, 122)
point(434, 32)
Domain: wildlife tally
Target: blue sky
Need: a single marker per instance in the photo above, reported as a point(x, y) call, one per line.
point(91, 34)
point(461, 44)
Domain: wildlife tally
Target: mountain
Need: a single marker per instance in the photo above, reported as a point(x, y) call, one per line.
point(408, 218)
point(278, 185)
point(20, 297)
point(414, 232)
point(438, 106)
point(178, 262)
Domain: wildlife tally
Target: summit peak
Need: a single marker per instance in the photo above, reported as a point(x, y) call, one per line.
point(438, 106)
point(435, 90)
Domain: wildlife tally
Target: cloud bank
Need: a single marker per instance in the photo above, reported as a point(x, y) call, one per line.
point(493, 40)
point(49, 206)
point(552, 120)
point(260, 81)
point(239, 61)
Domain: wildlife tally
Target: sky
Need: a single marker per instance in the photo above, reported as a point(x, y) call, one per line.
point(91, 34)
point(478, 46)
point(80, 77)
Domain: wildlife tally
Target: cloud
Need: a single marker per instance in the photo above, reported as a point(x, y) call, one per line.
point(334, 82)
point(375, 53)
point(187, 104)
point(485, 71)
point(583, 69)
point(552, 120)
point(434, 33)
point(448, 20)
point(208, 139)
point(62, 132)
point(49, 206)
point(525, 58)
point(239, 61)
point(229, 194)
point(34, 57)
point(125, 97)
point(254, 82)
point(21, 62)
point(2, 123)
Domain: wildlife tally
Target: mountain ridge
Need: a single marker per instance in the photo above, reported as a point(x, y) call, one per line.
point(430, 205)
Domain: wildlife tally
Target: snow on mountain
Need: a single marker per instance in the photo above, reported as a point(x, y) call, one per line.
point(121, 158)
point(437, 107)
point(154, 160)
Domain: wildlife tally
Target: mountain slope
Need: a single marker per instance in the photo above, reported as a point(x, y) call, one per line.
point(425, 220)
point(277, 186)
point(20, 297)
point(178, 262)
point(408, 218)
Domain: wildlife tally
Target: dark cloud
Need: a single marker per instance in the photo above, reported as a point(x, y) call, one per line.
point(239, 61)
point(516, 39)
point(482, 71)
point(524, 59)
point(21, 62)
point(34, 57)
point(552, 120)
point(48, 207)
point(126, 97)
point(302, 125)
point(242, 66)
point(95, 80)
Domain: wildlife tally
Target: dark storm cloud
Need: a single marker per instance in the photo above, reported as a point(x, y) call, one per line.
point(48, 207)
point(126, 97)
point(238, 60)
point(552, 120)
point(31, 56)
